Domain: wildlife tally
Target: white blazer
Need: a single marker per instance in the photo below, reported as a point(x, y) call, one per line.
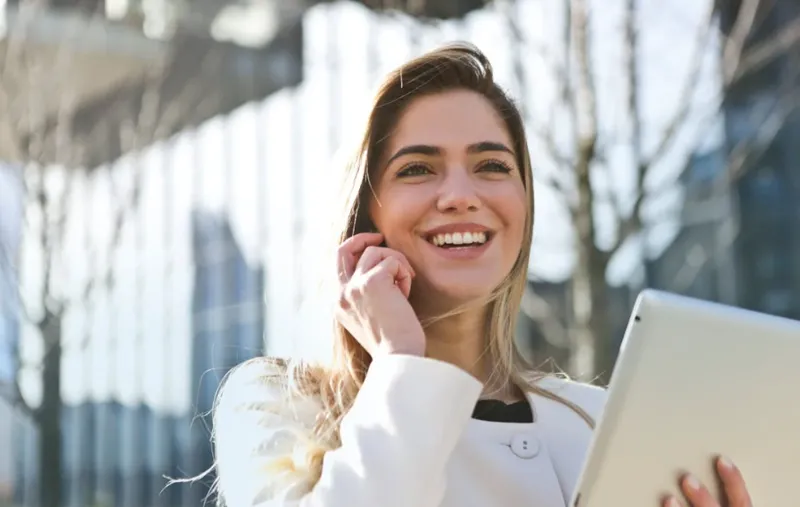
point(408, 441)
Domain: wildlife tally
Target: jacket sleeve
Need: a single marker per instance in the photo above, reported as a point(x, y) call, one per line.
point(396, 439)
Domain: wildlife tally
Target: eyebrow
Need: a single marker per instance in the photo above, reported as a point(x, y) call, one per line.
point(425, 149)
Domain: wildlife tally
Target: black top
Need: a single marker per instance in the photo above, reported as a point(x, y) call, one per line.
point(498, 411)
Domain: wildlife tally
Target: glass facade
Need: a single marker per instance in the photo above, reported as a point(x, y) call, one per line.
point(761, 241)
point(117, 454)
point(216, 263)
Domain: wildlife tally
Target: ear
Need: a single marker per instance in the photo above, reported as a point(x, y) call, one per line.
point(373, 228)
point(364, 224)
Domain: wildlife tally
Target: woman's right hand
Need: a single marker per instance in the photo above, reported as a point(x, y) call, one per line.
point(374, 285)
point(698, 495)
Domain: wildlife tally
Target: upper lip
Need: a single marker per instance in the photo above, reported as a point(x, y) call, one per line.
point(459, 227)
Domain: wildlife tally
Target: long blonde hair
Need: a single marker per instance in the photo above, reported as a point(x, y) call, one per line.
point(335, 386)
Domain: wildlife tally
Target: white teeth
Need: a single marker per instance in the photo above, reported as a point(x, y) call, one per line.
point(459, 238)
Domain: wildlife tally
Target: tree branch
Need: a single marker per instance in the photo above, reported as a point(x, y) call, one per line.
point(735, 41)
point(687, 93)
point(760, 55)
point(630, 224)
point(586, 100)
point(750, 147)
point(699, 257)
point(631, 64)
point(745, 151)
point(566, 92)
point(520, 42)
point(754, 146)
point(563, 162)
point(545, 134)
point(13, 396)
point(585, 117)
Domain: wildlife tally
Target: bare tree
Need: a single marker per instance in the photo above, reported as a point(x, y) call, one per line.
point(582, 172)
point(60, 140)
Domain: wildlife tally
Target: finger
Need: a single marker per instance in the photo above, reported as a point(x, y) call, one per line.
point(733, 481)
point(350, 252)
point(671, 501)
point(374, 255)
point(403, 280)
point(395, 270)
point(697, 494)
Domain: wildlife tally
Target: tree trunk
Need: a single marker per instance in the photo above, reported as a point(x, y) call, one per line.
point(593, 354)
point(600, 318)
point(49, 415)
point(582, 334)
point(589, 291)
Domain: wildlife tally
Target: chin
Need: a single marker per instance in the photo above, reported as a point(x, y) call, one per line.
point(461, 290)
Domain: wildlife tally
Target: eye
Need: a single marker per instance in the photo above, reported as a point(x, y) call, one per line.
point(413, 170)
point(495, 166)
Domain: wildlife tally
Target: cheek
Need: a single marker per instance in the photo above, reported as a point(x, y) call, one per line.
point(396, 213)
point(514, 213)
point(512, 206)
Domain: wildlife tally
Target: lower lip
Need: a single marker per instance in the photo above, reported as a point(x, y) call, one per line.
point(461, 253)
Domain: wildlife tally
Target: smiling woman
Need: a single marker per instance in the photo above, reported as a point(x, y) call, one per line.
point(450, 173)
point(427, 401)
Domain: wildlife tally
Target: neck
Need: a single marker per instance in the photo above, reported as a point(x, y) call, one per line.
point(461, 340)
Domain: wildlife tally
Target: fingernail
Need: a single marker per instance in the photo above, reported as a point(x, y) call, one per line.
point(725, 463)
point(673, 502)
point(692, 482)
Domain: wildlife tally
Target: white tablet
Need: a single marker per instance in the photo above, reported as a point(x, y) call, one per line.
point(693, 380)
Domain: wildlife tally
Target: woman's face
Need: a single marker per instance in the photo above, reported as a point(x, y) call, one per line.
point(450, 196)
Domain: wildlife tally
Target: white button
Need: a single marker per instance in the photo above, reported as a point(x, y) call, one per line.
point(526, 446)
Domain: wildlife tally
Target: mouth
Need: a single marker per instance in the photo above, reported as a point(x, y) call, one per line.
point(460, 240)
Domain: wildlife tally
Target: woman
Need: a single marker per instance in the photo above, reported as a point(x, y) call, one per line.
point(427, 401)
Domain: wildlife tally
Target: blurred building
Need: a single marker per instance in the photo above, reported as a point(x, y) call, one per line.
point(768, 192)
point(228, 328)
point(6, 458)
point(118, 454)
point(110, 58)
point(116, 58)
point(218, 259)
point(205, 57)
point(10, 226)
point(543, 326)
point(699, 260)
point(739, 243)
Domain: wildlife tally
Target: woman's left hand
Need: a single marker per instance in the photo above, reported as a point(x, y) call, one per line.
point(698, 495)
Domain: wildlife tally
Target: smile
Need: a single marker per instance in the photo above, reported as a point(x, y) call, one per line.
point(458, 239)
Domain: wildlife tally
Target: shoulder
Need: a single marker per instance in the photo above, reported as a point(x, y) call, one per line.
point(588, 397)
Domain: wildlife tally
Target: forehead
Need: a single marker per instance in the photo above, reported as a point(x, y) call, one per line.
point(451, 120)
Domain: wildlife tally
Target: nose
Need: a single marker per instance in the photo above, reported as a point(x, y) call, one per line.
point(457, 193)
